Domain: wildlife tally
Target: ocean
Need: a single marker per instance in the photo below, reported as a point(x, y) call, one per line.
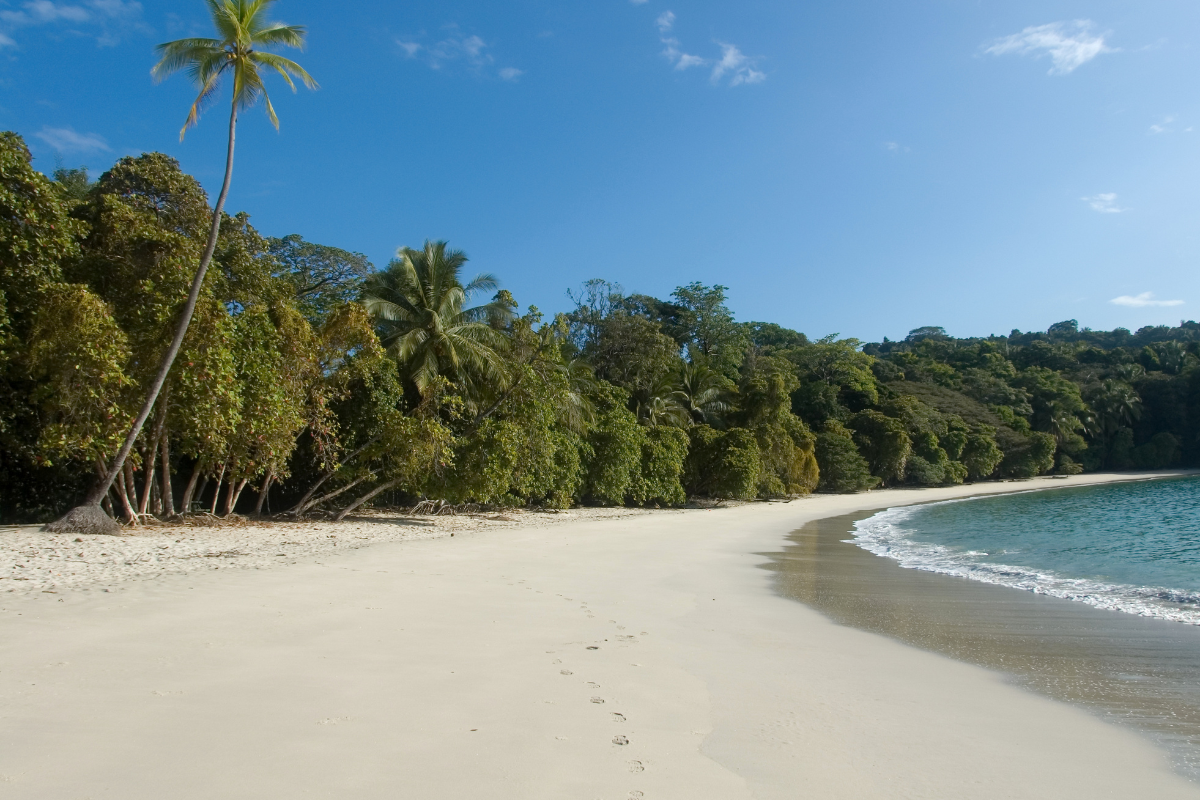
point(1130, 547)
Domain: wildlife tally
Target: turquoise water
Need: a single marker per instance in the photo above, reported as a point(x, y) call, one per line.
point(1130, 547)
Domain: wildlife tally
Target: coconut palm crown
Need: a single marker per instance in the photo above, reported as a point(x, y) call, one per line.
point(420, 306)
point(241, 53)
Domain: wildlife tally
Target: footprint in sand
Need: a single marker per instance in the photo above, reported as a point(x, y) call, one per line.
point(597, 699)
point(619, 739)
point(636, 795)
point(618, 717)
point(565, 672)
point(636, 766)
point(593, 684)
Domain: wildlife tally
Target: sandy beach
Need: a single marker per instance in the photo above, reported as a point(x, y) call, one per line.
point(607, 654)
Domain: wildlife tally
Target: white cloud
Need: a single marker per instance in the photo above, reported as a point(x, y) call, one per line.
point(1162, 126)
point(736, 65)
point(66, 140)
point(1143, 300)
point(1070, 45)
point(111, 17)
point(471, 51)
point(1105, 203)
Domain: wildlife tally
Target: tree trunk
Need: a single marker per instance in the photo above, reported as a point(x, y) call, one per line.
point(217, 491)
point(377, 490)
point(262, 493)
point(168, 491)
point(185, 506)
point(331, 495)
point(148, 478)
point(86, 517)
point(234, 494)
point(123, 495)
point(300, 507)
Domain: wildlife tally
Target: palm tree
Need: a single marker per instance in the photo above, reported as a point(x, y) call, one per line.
point(419, 304)
point(1116, 405)
point(241, 54)
point(704, 393)
point(661, 403)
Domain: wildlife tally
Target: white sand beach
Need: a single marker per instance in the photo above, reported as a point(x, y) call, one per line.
point(595, 654)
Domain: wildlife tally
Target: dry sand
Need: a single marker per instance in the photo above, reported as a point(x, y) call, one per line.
point(611, 655)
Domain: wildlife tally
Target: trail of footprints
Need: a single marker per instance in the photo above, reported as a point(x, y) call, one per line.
point(616, 718)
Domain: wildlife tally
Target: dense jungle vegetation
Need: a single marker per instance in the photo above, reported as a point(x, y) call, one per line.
point(322, 384)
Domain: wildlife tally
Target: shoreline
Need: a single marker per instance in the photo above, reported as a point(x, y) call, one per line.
point(451, 667)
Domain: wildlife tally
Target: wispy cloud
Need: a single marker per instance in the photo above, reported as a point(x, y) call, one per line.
point(737, 66)
point(1105, 203)
point(732, 64)
point(66, 140)
point(1143, 300)
point(471, 51)
point(1162, 127)
point(1070, 45)
point(105, 20)
point(896, 147)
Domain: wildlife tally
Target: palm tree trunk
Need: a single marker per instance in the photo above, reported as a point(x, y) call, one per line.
point(86, 512)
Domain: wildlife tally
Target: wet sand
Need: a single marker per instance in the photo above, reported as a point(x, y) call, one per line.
point(1136, 671)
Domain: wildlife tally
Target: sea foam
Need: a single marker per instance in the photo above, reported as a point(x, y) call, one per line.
point(890, 534)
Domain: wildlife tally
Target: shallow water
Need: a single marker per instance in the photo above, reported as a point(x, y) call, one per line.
point(1132, 547)
point(1134, 670)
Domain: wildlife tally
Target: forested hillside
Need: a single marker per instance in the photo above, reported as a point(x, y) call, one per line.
point(311, 382)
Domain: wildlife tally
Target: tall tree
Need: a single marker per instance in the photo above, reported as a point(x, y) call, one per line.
point(241, 54)
point(419, 303)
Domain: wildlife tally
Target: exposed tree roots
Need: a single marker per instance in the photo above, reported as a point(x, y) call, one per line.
point(85, 519)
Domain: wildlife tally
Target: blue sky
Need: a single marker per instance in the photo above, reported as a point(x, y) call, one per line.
point(855, 167)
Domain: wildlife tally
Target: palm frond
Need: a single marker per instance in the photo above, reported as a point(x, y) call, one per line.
point(286, 68)
point(181, 54)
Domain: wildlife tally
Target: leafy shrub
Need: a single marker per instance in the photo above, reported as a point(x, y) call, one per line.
point(723, 463)
point(842, 468)
point(664, 450)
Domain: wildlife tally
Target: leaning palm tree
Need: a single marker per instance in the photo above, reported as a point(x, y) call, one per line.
point(420, 306)
point(241, 54)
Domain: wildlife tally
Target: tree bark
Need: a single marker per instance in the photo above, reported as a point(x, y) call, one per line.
point(376, 491)
point(300, 507)
point(217, 491)
point(123, 495)
point(189, 490)
point(168, 491)
point(148, 478)
point(330, 495)
point(263, 491)
point(185, 318)
point(234, 494)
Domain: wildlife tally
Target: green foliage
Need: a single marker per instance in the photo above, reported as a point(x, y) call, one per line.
point(842, 468)
point(981, 455)
point(615, 448)
point(663, 453)
point(1032, 456)
point(420, 307)
point(708, 328)
point(885, 444)
point(323, 278)
point(723, 464)
point(1160, 452)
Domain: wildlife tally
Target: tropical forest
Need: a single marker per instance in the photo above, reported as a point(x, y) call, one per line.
point(309, 381)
